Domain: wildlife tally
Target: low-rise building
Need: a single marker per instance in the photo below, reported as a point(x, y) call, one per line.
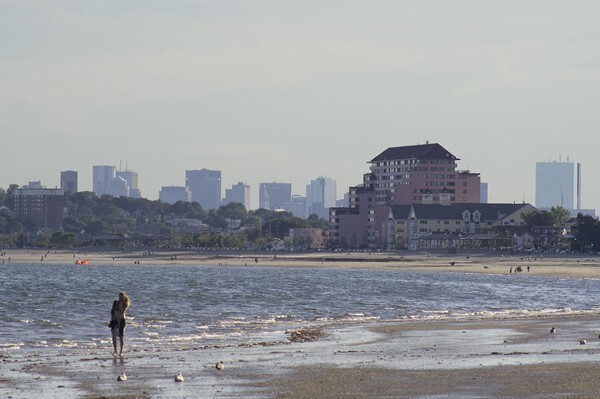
point(308, 238)
point(457, 225)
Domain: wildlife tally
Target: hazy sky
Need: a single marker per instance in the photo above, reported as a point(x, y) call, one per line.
point(287, 91)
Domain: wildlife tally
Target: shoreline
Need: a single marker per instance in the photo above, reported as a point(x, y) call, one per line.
point(456, 359)
point(582, 266)
point(452, 358)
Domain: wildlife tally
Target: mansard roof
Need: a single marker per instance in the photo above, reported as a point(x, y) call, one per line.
point(454, 211)
point(421, 151)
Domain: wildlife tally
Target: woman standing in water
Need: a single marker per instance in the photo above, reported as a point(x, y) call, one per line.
point(117, 321)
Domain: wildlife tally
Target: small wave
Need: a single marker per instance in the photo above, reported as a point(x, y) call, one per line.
point(50, 323)
point(11, 347)
point(500, 314)
point(350, 317)
point(156, 326)
point(66, 344)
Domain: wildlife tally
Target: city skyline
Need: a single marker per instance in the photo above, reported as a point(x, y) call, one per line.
point(255, 191)
point(288, 91)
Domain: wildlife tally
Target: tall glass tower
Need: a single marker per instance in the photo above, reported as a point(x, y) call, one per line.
point(205, 186)
point(557, 184)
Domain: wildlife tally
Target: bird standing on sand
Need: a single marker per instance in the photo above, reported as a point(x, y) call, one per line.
point(179, 377)
point(582, 341)
point(122, 377)
point(553, 330)
point(220, 366)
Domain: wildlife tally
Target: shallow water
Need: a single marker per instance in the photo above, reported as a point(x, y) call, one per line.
point(58, 306)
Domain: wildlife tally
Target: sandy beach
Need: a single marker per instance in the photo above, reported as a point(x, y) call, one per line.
point(474, 358)
point(584, 266)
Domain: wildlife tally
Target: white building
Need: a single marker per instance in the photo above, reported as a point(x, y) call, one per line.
point(132, 180)
point(108, 181)
point(558, 184)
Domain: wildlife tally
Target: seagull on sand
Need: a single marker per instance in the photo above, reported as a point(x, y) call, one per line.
point(553, 330)
point(122, 377)
point(179, 377)
point(220, 366)
point(582, 341)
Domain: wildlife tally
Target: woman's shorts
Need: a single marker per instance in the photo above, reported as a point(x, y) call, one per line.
point(119, 327)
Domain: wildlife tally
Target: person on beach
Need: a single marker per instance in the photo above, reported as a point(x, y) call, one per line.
point(118, 321)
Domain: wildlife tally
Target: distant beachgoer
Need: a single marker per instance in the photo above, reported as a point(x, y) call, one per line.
point(118, 321)
point(510, 271)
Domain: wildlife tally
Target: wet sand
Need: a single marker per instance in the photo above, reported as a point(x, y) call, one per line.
point(472, 358)
point(408, 359)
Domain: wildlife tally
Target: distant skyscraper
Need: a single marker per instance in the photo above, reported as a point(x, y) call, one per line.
point(173, 194)
point(205, 186)
point(483, 194)
point(239, 193)
point(297, 206)
point(108, 181)
point(557, 184)
point(131, 178)
point(320, 196)
point(102, 178)
point(118, 187)
point(68, 181)
point(274, 195)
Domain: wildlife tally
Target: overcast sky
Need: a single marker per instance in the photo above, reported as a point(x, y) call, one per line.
point(287, 91)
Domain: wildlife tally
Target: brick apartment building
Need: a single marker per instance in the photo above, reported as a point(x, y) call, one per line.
point(40, 207)
point(416, 174)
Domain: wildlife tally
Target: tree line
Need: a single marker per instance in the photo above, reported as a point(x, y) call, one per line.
point(87, 216)
point(585, 230)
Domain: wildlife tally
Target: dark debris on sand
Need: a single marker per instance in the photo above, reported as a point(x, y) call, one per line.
point(305, 334)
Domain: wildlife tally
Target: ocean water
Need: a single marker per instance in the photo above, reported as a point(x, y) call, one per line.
point(62, 307)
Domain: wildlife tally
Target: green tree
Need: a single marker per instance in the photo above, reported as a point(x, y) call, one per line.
point(233, 210)
point(8, 240)
point(203, 240)
point(317, 222)
point(281, 227)
point(9, 200)
point(560, 215)
point(538, 218)
point(98, 228)
point(184, 239)
point(22, 240)
point(13, 226)
point(587, 233)
point(43, 240)
point(215, 220)
point(61, 239)
point(232, 241)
